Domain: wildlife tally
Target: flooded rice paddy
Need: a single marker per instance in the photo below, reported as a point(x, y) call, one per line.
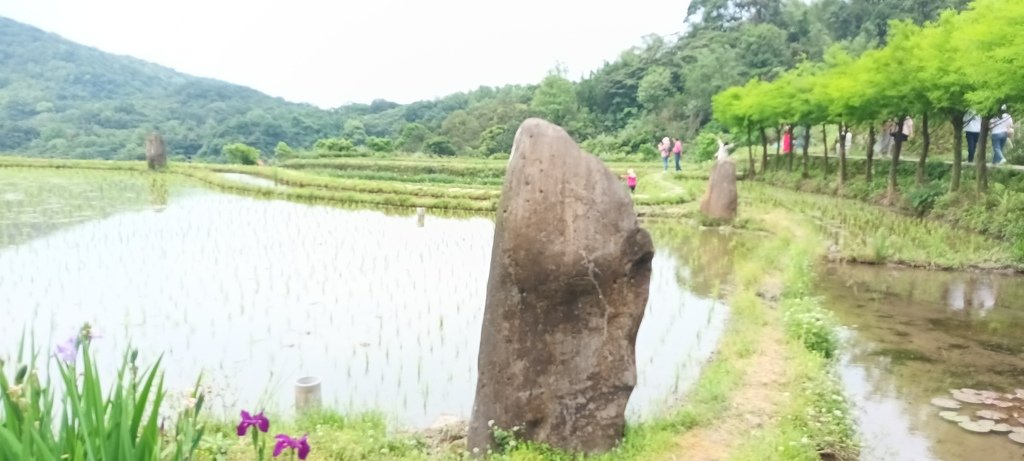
point(913, 335)
point(256, 293)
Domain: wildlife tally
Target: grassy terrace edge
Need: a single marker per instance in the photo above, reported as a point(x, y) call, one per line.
point(320, 189)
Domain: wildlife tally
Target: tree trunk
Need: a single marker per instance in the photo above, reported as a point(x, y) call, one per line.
point(824, 143)
point(789, 160)
point(895, 164)
point(764, 151)
point(750, 152)
point(979, 156)
point(926, 143)
point(956, 118)
point(871, 152)
point(807, 145)
point(843, 129)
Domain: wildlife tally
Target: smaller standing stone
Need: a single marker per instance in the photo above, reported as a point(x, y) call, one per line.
point(156, 152)
point(721, 199)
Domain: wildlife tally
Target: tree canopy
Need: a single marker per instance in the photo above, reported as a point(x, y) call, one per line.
point(58, 98)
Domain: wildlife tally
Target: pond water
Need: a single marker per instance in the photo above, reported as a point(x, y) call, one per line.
point(911, 336)
point(249, 179)
point(257, 293)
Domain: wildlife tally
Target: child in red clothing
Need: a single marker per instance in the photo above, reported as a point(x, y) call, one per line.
point(631, 180)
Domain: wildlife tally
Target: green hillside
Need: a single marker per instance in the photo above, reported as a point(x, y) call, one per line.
point(62, 99)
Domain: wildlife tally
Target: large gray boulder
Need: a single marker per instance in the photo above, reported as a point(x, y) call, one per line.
point(569, 279)
point(721, 200)
point(156, 152)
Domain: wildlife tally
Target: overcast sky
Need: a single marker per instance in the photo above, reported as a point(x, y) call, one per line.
point(332, 52)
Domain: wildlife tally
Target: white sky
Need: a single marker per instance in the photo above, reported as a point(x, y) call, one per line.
point(332, 52)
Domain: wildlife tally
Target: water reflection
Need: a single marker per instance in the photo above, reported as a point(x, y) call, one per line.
point(35, 202)
point(976, 293)
point(158, 193)
point(709, 255)
point(250, 179)
point(911, 336)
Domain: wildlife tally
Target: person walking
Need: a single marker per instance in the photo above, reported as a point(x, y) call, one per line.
point(972, 130)
point(677, 151)
point(1002, 129)
point(885, 141)
point(664, 147)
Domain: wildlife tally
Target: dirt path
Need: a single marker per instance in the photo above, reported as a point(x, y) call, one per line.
point(757, 402)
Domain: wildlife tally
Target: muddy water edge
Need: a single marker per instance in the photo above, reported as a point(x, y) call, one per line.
point(913, 335)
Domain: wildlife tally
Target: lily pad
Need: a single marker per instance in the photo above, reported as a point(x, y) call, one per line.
point(943, 402)
point(989, 394)
point(1002, 427)
point(1002, 403)
point(975, 426)
point(954, 416)
point(967, 397)
point(990, 414)
point(1017, 437)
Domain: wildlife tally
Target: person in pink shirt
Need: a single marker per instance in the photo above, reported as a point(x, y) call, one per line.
point(631, 180)
point(787, 141)
point(677, 150)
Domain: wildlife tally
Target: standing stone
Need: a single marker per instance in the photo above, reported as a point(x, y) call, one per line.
point(721, 199)
point(156, 152)
point(569, 279)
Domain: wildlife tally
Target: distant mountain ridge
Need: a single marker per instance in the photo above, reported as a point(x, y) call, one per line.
point(62, 99)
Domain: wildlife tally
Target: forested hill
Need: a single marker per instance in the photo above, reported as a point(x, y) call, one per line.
point(59, 98)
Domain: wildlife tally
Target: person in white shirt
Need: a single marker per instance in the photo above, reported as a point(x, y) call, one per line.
point(972, 129)
point(1002, 128)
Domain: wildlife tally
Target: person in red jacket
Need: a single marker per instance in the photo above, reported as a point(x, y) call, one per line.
point(787, 141)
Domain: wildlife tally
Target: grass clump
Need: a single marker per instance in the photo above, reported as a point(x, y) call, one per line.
point(91, 421)
point(811, 324)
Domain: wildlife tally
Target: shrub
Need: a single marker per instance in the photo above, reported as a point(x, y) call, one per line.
point(241, 153)
point(922, 199)
point(439, 145)
point(603, 145)
point(283, 151)
point(814, 326)
point(380, 144)
point(704, 146)
point(333, 145)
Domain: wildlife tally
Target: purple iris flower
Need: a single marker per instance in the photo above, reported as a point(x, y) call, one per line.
point(68, 350)
point(258, 421)
point(299, 445)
